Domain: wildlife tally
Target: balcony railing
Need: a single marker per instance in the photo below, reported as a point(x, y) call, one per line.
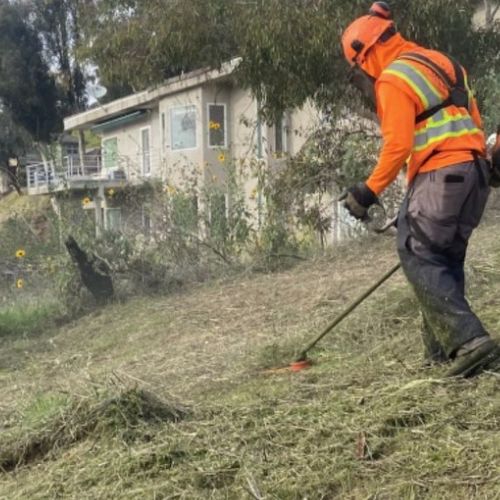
point(90, 167)
point(44, 177)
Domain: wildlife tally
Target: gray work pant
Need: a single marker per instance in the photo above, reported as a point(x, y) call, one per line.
point(436, 220)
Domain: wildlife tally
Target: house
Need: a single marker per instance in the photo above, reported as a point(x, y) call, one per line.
point(199, 121)
point(43, 169)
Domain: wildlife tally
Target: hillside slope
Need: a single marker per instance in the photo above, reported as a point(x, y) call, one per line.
point(77, 405)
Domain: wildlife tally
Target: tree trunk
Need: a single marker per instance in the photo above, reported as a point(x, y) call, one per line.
point(95, 273)
point(490, 11)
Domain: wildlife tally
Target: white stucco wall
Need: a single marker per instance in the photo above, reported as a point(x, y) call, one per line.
point(129, 144)
point(202, 164)
point(215, 167)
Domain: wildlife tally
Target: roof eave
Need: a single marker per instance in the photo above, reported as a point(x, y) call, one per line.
point(147, 97)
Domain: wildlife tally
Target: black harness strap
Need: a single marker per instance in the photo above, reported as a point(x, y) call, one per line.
point(458, 94)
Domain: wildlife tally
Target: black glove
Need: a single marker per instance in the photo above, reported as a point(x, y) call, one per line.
point(495, 169)
point(359, 199)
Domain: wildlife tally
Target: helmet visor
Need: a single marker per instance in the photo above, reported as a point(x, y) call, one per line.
point(364, 83)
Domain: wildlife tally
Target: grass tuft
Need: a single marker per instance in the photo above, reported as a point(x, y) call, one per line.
point(55, 423)
point(31, 320)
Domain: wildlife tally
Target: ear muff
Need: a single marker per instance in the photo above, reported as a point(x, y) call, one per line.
point(357, 46)
point(381, 9)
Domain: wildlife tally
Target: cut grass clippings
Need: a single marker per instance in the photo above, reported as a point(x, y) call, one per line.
point(366, 421)
point(125, 416)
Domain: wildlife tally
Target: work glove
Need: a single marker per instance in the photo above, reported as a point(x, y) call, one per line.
point(358, 200)
point(495, 169)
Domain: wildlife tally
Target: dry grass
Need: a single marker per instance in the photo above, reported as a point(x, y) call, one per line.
point(124, 415)
point(13, 203)
point(367, 421)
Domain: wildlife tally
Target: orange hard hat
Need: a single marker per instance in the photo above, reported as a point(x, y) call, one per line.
point(366, 31)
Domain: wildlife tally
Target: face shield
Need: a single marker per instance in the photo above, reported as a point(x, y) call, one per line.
point(364, 83)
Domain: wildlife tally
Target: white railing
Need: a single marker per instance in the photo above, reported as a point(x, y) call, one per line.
point(42, 175)
point(88, 166)
point(46, 177)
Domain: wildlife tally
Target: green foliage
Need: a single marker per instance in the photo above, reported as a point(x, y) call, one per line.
point(57, 22)
point(290, 50)
point(184, 211)
point(489, 93)
point(167, 37)
point(227, 220)
point(27, 91)
point(32, 320)
point(43, 408)
point(14, 139)
point(337, 155)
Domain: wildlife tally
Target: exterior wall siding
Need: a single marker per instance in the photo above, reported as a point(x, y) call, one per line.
point(129, 144)
point(249, 142)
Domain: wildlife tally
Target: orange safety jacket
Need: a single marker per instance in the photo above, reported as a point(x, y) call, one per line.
point(404, 90)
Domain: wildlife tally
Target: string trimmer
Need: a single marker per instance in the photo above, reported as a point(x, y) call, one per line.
point(302, 361)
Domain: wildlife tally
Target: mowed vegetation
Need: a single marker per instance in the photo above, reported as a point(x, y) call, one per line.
point(175, 396)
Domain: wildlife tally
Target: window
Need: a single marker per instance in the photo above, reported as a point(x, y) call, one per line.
point(183, 126)
point(217, 125)
point(110, 152)
point(145, 151)
point(113, 219)
point(280, 136)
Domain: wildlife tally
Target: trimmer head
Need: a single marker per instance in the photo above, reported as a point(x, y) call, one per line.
point(298, 365)
point(301, 364)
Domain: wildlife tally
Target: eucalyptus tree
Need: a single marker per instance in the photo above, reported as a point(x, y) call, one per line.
point(290, 49)
point(58, 24)
point(28, 92)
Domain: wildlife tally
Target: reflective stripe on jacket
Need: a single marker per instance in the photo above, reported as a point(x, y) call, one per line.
point(451, 129)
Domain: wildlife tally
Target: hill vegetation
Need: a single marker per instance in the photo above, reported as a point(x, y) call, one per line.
point(175, 397)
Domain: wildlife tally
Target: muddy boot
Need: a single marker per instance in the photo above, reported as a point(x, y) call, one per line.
point(474, 357)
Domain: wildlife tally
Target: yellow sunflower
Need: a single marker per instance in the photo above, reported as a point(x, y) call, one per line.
point(21, 253)
point(111, 192)
point(19, 283)
point(222, 157)
point(170, 190)
point(86, 201)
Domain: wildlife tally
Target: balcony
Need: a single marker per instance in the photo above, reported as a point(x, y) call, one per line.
point(43, 178)
point(73, 173)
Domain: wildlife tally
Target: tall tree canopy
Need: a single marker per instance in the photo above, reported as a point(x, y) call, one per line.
point(142, 42)
point(290, 49)
point(28, 93)
point(57, 23)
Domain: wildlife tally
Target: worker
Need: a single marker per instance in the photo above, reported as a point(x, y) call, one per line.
point(430, 122)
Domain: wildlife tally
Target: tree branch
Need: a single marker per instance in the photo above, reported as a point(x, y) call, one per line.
point(494, 11)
